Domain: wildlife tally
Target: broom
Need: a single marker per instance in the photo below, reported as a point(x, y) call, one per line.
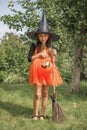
point(57, 112)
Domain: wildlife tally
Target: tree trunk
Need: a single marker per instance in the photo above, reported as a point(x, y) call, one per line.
point(77, 69)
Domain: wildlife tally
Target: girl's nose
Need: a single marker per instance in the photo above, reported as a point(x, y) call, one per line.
point(43, 37)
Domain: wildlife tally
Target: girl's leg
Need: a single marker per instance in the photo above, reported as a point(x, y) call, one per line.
point(37, 96)
point(44, 100)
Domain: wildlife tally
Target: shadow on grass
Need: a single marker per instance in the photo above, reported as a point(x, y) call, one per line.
point(23, 89)
point(16, 110)
point(15, 87)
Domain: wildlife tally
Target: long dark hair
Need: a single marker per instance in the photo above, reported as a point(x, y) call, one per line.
point(48, 44)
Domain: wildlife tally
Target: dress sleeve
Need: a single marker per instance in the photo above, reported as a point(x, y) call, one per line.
point(31, 52)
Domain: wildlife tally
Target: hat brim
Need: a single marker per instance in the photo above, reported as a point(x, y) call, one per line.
point(33, 35)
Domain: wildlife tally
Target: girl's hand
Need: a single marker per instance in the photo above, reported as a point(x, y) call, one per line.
point(52, 52)
point(39, 55)
point(43, 55)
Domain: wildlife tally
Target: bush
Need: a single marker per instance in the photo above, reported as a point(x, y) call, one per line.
point(14, 78)
point(3, 75)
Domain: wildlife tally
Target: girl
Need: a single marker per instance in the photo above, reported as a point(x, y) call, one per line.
point(42, 67)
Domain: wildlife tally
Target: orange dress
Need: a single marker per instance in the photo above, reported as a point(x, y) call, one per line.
point(44, 72)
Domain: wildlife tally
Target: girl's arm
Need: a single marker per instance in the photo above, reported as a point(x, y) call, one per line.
point(52, 52)
point(35, 56)
point(31, 55)
point(31, 52)
point(41, 55)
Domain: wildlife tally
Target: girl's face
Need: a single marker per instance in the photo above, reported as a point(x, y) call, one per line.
point(43, 38)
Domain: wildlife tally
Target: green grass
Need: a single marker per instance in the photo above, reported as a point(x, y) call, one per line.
point(16, 108)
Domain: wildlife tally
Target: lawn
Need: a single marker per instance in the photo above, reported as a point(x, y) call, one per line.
point(16, 108)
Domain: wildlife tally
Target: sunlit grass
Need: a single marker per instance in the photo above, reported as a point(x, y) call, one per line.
point(16, 108)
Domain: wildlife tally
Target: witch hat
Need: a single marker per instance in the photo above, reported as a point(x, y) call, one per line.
point(43, 28)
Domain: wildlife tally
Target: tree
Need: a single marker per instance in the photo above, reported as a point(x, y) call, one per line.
point(66, 18)
point(72, 16)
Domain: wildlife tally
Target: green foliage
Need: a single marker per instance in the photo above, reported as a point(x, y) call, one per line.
point(13, 59)
point(20, 19)
point(66, 18)
point(14, 78)
point(65, 66)
point(62, 16)
point(3, 75)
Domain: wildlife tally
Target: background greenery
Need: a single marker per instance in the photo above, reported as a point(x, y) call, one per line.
point(66, 18)
point(13, 59)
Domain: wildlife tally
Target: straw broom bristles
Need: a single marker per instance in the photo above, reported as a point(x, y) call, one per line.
point(57, 112)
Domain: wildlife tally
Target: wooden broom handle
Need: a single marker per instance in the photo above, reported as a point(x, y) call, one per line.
point(53, 75)
point(53, 79)
point(53, 70)
point(53, 89)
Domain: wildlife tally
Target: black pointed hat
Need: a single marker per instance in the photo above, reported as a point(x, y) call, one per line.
point(43, 28)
